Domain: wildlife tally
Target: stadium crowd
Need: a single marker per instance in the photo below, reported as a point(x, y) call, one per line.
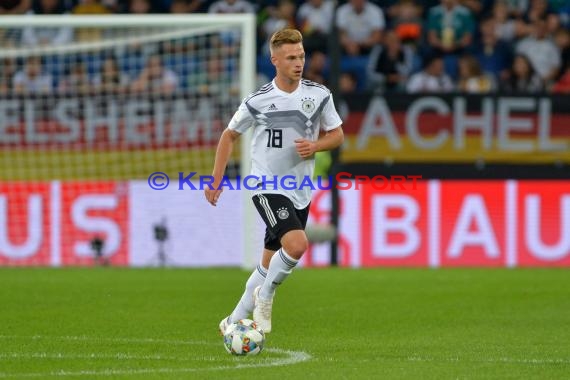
point(472, 46)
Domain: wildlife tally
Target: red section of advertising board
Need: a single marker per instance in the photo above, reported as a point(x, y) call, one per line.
point(394, 225)
point(543, 231)
point(25, 229)
point(472, 220)
point(94, 210)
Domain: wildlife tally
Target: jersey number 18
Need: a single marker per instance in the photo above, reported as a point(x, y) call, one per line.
point(274, 139)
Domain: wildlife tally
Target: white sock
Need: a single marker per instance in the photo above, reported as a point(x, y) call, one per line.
point(245, 305)
point(280, 266)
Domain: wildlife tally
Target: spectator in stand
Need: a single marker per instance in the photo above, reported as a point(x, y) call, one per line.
point(360, 25)
point(562, 40)
point(155, 78)
point(544, 9)
point(281, 17)
point(37, 36)
point(475, 6)
point(8, 69)
point(32, 79)
point(494, 55)
point(347, 83)
point(390, 64)
point(177, 6)
point(563, 84)
point(11, 37)
point(516, 8)
point(15, 7)
point(450, 27)
point(564, 15)
point(472, 79)
point(316, 68)
point(537, 9)
point(315, 18)
point(114, 6)
point(540, 10)
point(139, 7)
point(506, 28)
point(406, 16)
point(217, 83)
point(110, 80)
point(432, 79)
point(89, 7)
point(543, 54)
point(523, 78)
point(557, 5)
point(184, 6)
point(231, 6)
point(76, 81)
point(450, 31)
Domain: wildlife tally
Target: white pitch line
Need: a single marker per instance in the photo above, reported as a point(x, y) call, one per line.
point(118, 356)
point(112, 340)
point(497, 360)
point(292, 357)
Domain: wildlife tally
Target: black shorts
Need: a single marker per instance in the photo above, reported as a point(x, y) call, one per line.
point(280, 217)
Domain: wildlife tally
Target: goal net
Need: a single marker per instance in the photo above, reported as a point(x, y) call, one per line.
point(118, 97)
point(102, 100)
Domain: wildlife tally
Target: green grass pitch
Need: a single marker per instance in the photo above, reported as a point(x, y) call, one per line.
point(111, 323)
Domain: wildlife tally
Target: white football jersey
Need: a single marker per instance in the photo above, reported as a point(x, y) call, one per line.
point(279, 118)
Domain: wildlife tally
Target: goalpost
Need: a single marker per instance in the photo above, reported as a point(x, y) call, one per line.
point(115, 98)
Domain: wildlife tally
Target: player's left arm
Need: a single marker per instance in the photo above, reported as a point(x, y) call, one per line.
point(327, 141)
point(330, 132)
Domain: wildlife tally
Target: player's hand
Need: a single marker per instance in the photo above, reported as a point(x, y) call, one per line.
point(305, 148)
point(212, 195)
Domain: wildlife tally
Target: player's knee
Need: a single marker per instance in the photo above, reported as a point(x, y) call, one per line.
point(297, 246)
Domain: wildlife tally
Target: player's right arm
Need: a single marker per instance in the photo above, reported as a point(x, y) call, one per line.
point(241, 121)
point(223, 152)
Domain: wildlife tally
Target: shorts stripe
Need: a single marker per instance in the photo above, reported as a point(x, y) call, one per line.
point(265, 204)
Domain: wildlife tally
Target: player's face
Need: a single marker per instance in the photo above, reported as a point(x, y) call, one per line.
point(289, 60)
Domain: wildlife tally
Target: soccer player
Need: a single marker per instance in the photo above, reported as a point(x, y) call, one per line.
point(292, 119)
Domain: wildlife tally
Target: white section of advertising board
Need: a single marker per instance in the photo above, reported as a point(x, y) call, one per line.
point(198, 233)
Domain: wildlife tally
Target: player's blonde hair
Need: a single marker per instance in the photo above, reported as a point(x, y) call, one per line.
point(285, 36)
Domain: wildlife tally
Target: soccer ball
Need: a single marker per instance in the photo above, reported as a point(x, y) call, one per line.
point(244, 338)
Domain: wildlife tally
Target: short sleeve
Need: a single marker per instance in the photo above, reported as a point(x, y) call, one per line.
point(241, 120)
point(376, 17)
point(329, 117)
point(341, 17)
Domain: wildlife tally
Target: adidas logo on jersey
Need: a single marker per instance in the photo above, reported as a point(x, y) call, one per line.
point(272, 107)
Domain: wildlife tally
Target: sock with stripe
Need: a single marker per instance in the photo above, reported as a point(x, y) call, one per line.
point(245, 305)
point(280, 266)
